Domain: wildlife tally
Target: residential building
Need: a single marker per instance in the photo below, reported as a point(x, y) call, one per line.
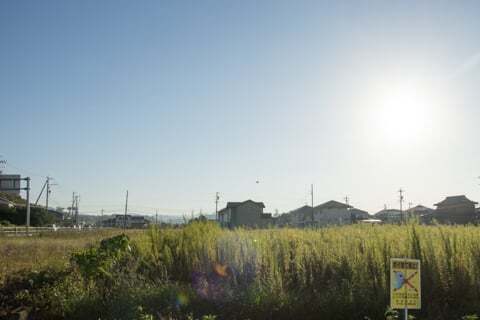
point(10, 183)
point(359, 215)
point(332, 212)
point(300, 217)
point(133, 222)
point(396, 216)
point(244, 214)
point(456, 210)
point(419, 211)
point(328, 213)
point(390, 215)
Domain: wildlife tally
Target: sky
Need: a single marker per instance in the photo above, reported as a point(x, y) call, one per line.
point(177, 100)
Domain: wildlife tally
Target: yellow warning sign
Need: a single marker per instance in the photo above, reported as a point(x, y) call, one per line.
point(405, 285)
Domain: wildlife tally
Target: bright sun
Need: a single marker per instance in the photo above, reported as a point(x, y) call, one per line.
point(402, 112)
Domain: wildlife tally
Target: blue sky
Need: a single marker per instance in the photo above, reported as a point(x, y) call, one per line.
point(175, 100)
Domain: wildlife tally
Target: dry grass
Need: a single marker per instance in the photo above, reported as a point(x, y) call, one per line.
point(330, 273)
point(48, 249)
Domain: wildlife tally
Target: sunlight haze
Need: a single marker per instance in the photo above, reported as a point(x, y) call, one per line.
point(178, 100)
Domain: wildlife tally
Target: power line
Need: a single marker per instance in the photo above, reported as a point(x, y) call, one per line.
point(9, 164)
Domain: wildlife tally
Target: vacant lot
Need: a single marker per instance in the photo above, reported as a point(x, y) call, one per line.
point(47, 249)
point(204, 271)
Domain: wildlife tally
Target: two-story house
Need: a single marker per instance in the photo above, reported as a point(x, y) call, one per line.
point(244, 214)
point(300, 217)
point(456, 210)
point(332, 212)
point(390, 215)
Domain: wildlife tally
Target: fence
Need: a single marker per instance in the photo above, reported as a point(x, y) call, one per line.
point(23, 230)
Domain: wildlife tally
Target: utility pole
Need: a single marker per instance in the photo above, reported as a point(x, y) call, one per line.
point(352, 218)
point(101, 219)
point(48, 193)
point(156, 217)
point(71, 211)
point(28, 202)
point(401, 204)
point(41, 192)
point(126, 210)
point(77, 200)
point(313, 213)
point(217, 197)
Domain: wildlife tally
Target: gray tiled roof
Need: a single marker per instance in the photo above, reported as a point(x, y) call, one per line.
point(455, 200)
point(332, 204)
point(236, 204)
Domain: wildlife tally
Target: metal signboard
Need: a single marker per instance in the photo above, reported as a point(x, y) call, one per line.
point(405, 284)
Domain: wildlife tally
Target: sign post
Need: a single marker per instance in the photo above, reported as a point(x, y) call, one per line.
point(405, 284)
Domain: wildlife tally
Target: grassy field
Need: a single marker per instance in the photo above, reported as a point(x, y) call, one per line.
point(202, 271)
point(48, 249)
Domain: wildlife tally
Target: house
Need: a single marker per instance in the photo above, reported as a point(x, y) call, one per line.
point(299, 217)
point(358, 215)
point(419, 211)
point(332, 212)
point(244, 214)
point(422, 213)
point(390, 215)
point(118, 221)
point(456, 210)
point(328, 213)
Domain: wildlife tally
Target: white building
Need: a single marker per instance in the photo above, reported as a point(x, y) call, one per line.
point(328, 213)
point(300, 217)
point(332, 212)
point(389, 215)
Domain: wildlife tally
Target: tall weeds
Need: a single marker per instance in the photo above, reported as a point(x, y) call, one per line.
point(339, 273)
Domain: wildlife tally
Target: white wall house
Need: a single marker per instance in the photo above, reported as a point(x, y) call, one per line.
point(332, 213)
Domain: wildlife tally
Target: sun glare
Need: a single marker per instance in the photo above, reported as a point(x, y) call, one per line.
point(402, 112)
